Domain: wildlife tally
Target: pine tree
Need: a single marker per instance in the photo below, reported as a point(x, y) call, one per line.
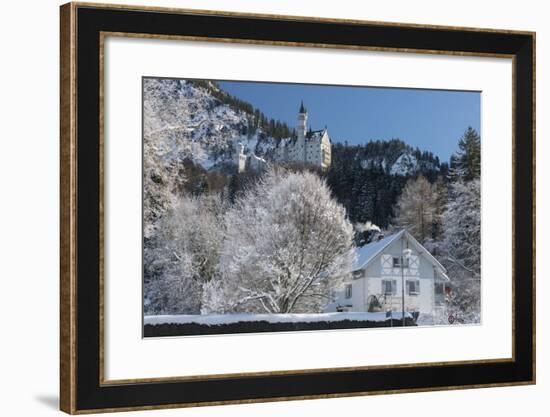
point(441, 192)
point(366, 199)
point(461, 250)
point(468, 158)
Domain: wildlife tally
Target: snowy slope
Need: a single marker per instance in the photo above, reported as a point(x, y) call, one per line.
point(394, 157)
point(406, 164)
point(182, 120)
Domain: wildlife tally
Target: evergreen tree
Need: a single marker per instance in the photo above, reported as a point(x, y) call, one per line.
point(441, 193)
point(461, 250)
point(366, 198)
point(467, 162)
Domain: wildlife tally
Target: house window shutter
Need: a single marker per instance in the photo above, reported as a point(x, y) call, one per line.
point(386, 261)
point(413, 262)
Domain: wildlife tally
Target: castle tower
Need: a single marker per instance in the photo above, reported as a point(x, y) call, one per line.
point(301, 130)
point(241, 158)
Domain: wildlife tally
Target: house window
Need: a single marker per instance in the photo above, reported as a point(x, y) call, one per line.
point(439, 293)
point(397, 262)
point(413, 287)
point(348, 291)
point(389, 287)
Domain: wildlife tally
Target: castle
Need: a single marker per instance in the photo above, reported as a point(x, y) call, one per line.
point(308, 146)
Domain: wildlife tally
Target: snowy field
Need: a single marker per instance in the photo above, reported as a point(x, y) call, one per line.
point(220, 319)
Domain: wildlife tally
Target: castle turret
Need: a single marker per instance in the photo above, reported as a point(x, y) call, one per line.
point(241, 158)
point(301, 130)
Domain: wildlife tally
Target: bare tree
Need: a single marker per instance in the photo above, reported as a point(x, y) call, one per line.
point(419, 210)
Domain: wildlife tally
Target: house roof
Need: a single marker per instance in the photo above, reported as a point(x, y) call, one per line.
point(364, 255)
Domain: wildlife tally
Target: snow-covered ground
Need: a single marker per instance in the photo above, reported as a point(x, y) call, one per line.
point(217, 319)
point(439, 317)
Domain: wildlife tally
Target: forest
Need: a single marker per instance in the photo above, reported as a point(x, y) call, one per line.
point(253, 242)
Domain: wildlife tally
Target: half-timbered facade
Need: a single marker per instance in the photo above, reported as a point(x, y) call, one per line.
point(391, 269)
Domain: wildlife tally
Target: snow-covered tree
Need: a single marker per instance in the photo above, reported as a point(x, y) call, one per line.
point(213, 298)
point(419, 209)
point(184, 255)
point(163, 184)
point(461, 250)
point(462, 222)
point(287, 246)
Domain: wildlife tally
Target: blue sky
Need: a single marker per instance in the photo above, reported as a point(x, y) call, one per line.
point(432, 120)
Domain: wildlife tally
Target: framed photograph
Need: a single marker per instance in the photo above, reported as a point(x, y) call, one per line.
point(264, 208)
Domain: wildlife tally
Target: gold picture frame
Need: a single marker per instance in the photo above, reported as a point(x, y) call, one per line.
point(79, 392)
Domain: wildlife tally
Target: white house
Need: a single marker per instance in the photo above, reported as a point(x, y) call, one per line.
point(383, 268)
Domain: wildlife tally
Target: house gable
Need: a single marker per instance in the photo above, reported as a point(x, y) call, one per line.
point(377, 258)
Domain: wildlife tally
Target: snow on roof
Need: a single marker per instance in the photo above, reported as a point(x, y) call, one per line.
point(315, 134)
point(311, 135)
point(364, 254)
point(286, 141)
point(257, 158)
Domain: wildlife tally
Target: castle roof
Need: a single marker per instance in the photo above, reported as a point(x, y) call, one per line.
point(311, 135)
point(316, 134)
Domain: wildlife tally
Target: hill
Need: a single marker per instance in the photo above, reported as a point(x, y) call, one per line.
point(197, 121)
point(367, 179)
point(191, 129)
